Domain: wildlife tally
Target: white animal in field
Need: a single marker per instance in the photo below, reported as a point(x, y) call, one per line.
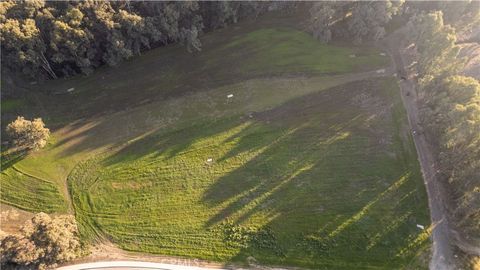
point(230, 96)
point(70, 89)
point(209, 160)
point(421, 227)
point(380, 70)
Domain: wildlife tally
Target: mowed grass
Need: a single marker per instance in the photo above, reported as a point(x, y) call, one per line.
point(308, 168)
point(325, 180)
point(30, 193)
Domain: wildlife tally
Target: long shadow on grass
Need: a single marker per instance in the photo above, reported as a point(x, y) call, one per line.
point(172, 143)
point(318, 191)
point(325, 195)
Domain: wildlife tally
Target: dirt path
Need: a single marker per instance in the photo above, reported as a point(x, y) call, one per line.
point(443, 256)
point(133, 265)
point(112, 257)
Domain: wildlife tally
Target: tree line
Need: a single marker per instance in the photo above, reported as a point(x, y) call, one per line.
point(352, 20)
point(451, 108)
point(51, 39)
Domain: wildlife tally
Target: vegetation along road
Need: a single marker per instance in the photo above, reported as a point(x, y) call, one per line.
point(442, 258)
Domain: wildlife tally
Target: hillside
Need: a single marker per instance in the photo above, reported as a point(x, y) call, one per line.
point(265, 144)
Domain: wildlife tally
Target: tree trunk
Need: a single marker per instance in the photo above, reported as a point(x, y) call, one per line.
point(47, 67)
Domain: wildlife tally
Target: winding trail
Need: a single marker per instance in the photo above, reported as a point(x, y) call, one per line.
point(443, 256)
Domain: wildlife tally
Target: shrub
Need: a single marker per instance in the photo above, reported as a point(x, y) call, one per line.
point(42, 242)
point(28, 134)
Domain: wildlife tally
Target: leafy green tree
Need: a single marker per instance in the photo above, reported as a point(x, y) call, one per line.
point(453, 114)
point(435, 43)
point(368, 19)
point(359, 21)
point(70, 43)
point(23, 47)
point(321, 16)
point(62, 38)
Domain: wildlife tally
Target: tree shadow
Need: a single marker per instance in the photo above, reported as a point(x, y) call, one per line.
point(327, 196)
point(312, 186)
point(170, 144)
point(9, 159)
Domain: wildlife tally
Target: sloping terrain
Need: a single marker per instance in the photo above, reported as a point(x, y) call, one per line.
point(266, 144)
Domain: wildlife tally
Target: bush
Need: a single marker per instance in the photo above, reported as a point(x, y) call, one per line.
point(28, 134)
point(42, 242)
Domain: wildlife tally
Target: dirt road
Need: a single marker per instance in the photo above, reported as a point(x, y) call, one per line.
point(442, 257)
point(130, 265)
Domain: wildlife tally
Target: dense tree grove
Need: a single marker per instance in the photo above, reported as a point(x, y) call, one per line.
point(356, 20)
point(42, 243)
point(53, 39)
point(452, 113)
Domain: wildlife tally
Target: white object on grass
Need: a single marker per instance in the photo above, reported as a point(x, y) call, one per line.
point(421, 227)
point(230, 96)
point(383, 54)
point(210, 160)
point(352, 55)
point(380, 70)
point(70, 89)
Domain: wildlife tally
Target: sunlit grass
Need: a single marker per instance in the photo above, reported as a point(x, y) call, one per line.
point(305, 170)
point(299, 189)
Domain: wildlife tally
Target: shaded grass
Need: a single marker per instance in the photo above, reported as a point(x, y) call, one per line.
point(306, 183)
point(286, 50)
point(229, 56)
point(11, 105)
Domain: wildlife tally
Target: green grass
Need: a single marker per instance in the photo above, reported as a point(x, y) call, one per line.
point(310, 169)
point(308, 183)
point(285, 50)
point(11, 105)
point(30, 193)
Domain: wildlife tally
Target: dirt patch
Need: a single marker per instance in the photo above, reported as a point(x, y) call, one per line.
point(11, 218)
point(131, 185)
point(108, 252)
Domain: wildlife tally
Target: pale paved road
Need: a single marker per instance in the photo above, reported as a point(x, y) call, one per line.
point(442, 257)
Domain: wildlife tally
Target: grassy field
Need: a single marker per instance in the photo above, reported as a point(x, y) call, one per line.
point(328, 179)
point(309, 164)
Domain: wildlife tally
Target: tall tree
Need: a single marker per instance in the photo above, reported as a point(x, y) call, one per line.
point(435, 43)
point(23, 47)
